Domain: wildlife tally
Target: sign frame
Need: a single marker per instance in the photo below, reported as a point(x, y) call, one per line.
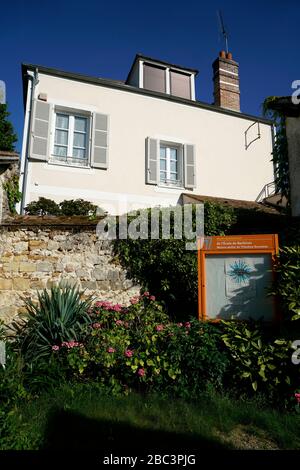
point(233, 245)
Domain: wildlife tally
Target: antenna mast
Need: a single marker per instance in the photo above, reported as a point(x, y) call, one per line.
point(222, 29)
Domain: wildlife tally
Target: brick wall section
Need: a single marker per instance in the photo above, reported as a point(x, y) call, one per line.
point(226, 82)
point(32, 258)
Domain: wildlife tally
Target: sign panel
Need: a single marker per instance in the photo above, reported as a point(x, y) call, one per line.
point(235, 275)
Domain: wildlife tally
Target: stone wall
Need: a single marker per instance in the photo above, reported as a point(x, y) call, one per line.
point(33, 257)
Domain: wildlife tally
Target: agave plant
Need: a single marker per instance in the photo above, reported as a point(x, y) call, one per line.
point(60, 315)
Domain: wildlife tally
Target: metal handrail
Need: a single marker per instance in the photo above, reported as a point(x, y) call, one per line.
point(268, 190)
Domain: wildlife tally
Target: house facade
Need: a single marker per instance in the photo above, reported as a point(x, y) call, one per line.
point(142, 142)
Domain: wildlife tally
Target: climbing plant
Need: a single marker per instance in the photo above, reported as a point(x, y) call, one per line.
point(280, 149)
point(11, 187)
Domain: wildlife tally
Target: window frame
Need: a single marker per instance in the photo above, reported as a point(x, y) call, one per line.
point(69, 160)
point(179, 183)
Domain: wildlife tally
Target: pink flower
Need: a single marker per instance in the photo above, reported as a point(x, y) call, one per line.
point(111, 350)
point(146, 294)
point(71, 344)
point(159, 327)
point(297, 396)
point(187, 324)
point(117, 308)
point(134, 300)
point(96, 326)
point(152, 297)
point(180, 325)
point(128, 353)
point(141, 372)
point(55, 348)
point(119, 322)
point(126, 324)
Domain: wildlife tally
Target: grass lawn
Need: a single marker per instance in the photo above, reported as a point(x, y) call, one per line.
point(82, 418)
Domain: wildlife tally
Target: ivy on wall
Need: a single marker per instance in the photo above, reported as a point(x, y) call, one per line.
point(11, 187)
point(280, 149)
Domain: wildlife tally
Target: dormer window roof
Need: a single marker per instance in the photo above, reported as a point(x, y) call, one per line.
point(162, 77)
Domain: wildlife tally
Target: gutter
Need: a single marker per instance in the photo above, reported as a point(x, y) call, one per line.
point(32, 81)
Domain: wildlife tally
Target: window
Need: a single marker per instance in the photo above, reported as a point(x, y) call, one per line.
point(71, 139)
point(170, 165)
point(154, 78)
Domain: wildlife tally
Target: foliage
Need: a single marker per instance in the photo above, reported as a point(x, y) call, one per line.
point(138, 347)
point(11, 187)
point(165, 267)
point(259, 362)
point(72, 207)
point(287, 284)
point(7, 136)
point(280, 149)
point(59, 316)
point(77, 207)
point(43, 206)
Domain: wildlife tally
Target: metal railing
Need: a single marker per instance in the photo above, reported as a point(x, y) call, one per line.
point(267, 191)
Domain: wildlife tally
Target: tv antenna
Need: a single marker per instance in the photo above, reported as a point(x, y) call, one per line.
point(222, 29)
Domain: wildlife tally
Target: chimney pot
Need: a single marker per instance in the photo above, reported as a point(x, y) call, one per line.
point(222, 54)
point(229, 56)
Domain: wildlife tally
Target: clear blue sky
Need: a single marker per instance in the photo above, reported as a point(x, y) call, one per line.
point(100, 38)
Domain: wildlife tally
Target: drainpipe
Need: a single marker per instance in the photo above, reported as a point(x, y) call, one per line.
point(32, 82)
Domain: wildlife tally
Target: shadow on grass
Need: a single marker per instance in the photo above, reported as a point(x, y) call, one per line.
point(69, 430)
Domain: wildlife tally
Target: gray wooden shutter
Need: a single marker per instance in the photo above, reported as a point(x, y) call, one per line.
point(189, 167)
point(100, 141)
point(40, 131)
point(151, 160)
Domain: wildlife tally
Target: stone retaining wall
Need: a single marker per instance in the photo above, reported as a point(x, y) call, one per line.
point(35, 257)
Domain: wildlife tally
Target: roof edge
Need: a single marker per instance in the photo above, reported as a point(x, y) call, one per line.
point(119, 86)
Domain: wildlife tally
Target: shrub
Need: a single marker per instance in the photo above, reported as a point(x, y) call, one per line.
point(7, 136)
point(77, 207)
point(138, 347)
point(287, 284)
point(59, 316)
point(43, 206)
point(165, 267)
point(72, 207)
point(260, 362)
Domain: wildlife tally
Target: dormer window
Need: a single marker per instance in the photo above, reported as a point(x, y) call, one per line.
point(162, 77)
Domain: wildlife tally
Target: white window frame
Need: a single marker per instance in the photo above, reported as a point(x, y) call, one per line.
point(179, 147)
point(70, 161)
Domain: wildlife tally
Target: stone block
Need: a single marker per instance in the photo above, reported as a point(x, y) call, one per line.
point(52, 245)
point(27, 267)
point(5, 284)
point(99, 274)
point(20, 247)
point(44, 267)
point(91, 285)
point(113, 275)
point(19, 283)
point(37, 245)
point(103, 285)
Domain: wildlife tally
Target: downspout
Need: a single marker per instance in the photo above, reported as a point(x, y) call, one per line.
point(32, 82)
point(273, 128)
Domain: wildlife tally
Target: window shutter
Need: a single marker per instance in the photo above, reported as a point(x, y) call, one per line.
point(189, 167)
point(151, 160)
point(40, 130)
point(100, 141)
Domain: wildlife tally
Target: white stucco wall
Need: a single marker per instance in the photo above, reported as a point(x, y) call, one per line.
point(223, 167)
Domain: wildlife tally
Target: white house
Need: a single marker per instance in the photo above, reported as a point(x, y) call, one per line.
point(142, 142)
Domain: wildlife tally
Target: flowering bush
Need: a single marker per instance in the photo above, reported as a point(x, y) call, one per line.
point(138, 347)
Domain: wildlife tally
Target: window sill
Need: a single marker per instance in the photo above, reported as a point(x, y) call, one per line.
point(67, 165)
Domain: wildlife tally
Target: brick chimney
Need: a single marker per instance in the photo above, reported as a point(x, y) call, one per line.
point(226, 82)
